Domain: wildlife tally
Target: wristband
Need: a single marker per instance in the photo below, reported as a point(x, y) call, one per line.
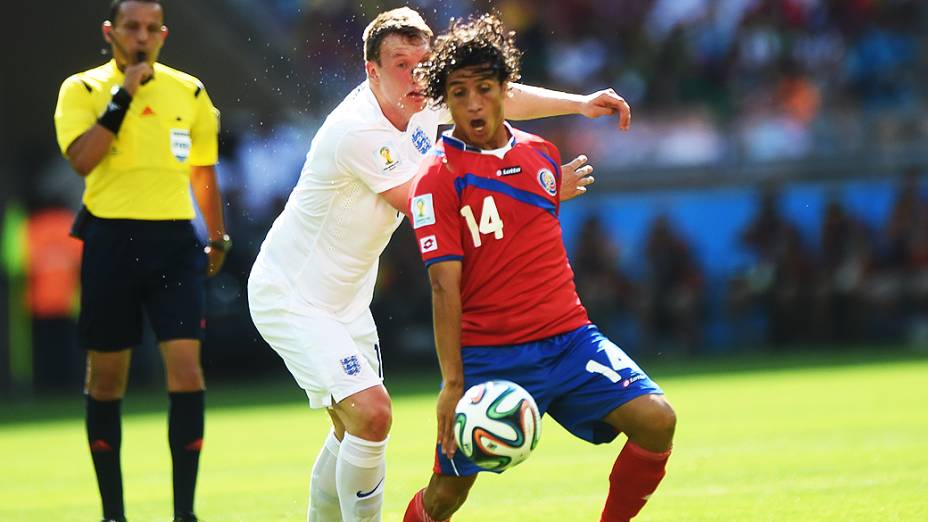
point(116, 109)
point(222, 245)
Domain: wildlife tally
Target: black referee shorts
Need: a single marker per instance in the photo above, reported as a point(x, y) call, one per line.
point(133, 265)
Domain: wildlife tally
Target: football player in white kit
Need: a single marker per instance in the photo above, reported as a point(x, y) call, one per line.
point(311, 285)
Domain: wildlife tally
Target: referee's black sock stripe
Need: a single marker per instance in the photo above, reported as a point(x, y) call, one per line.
point(104, 435)
point(185, 436)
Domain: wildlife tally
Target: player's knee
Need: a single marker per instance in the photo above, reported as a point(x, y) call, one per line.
point(666, 421)
point(186, 379)
point(106, 388)
point(379, 421)
point(376, 421)
point(661, 424)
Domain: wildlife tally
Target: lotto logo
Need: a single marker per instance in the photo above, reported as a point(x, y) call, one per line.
point(428, 244)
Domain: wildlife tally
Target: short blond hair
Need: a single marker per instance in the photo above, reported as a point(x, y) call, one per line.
point(402, 21)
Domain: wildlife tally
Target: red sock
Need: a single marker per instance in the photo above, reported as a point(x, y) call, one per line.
point(635, 475)
point(415, 511)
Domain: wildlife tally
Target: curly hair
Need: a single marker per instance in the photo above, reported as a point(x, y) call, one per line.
point(482, 41)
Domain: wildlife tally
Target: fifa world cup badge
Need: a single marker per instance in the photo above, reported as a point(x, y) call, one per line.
point(423, 212)
point(387, 159)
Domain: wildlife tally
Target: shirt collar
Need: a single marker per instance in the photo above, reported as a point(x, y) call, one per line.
point(450, 140)
point(119, 75)
point(114, 70)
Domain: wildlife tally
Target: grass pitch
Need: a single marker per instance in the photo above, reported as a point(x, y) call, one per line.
point(840, 437)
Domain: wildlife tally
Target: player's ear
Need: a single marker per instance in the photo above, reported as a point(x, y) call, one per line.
point(164, 33)
point(106, 29)
point(371, 69)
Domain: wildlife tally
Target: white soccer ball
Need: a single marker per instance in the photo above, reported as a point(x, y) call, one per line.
point(497, 424)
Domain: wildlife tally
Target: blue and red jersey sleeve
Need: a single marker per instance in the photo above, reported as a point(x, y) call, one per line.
point(433, 212)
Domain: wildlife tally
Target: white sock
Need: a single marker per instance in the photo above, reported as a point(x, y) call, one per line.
point(323, 495)
point(359, 476)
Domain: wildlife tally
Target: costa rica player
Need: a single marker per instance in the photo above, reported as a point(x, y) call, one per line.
point(485, 212)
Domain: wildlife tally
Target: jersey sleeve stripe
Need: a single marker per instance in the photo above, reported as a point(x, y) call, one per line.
point(502, 188)
point(557, 168)
point(430, 262)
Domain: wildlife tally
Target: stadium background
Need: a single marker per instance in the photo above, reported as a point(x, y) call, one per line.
point(771, 195)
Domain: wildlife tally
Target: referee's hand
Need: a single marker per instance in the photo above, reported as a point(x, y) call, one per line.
point(135, 75)
point(215, 259)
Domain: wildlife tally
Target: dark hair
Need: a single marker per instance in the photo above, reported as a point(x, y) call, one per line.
point(482, 41)
point(402, 21)
point(114, 7)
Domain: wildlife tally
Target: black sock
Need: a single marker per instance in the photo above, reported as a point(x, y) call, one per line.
point(185, 436)
point(104, 434)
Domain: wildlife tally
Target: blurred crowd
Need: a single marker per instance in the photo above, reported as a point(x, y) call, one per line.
point(718, 80)
point(858, 284)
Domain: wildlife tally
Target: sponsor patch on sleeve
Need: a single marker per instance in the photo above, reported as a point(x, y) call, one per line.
point(423, 213)
point(386, 158)
point(428, 244)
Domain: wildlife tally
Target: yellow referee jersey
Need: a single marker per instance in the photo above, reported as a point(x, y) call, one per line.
point(171, 125)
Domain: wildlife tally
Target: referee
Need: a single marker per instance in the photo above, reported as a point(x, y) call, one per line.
point(142, 135)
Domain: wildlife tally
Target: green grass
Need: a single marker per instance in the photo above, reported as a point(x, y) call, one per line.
point(839, 437)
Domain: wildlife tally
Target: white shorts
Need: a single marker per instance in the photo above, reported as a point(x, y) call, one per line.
point(329, 359)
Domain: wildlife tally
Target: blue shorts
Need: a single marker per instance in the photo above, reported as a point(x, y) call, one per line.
point(578, 378)
point(132, 265)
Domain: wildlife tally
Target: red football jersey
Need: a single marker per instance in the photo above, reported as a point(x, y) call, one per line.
point(497, 212)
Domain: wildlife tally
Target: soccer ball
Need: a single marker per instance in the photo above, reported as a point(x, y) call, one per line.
point(497, 424)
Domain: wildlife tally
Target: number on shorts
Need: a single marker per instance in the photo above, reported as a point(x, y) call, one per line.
point(617, 360)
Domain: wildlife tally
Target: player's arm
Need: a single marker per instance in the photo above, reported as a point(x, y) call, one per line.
point(446, 321)
point(398, 196)
point(204, 154)
point(89, 149)
point(209, 199)
point(527, 102)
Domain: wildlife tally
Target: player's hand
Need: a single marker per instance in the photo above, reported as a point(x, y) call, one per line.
point(135, 75)
point(575, 178)
point(215, 259)
point(447, 401)
point(607, 103)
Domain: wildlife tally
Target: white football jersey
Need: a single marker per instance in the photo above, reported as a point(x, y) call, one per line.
point(325, 244)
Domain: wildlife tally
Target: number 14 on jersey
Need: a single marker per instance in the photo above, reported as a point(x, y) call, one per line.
point(490, 223)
